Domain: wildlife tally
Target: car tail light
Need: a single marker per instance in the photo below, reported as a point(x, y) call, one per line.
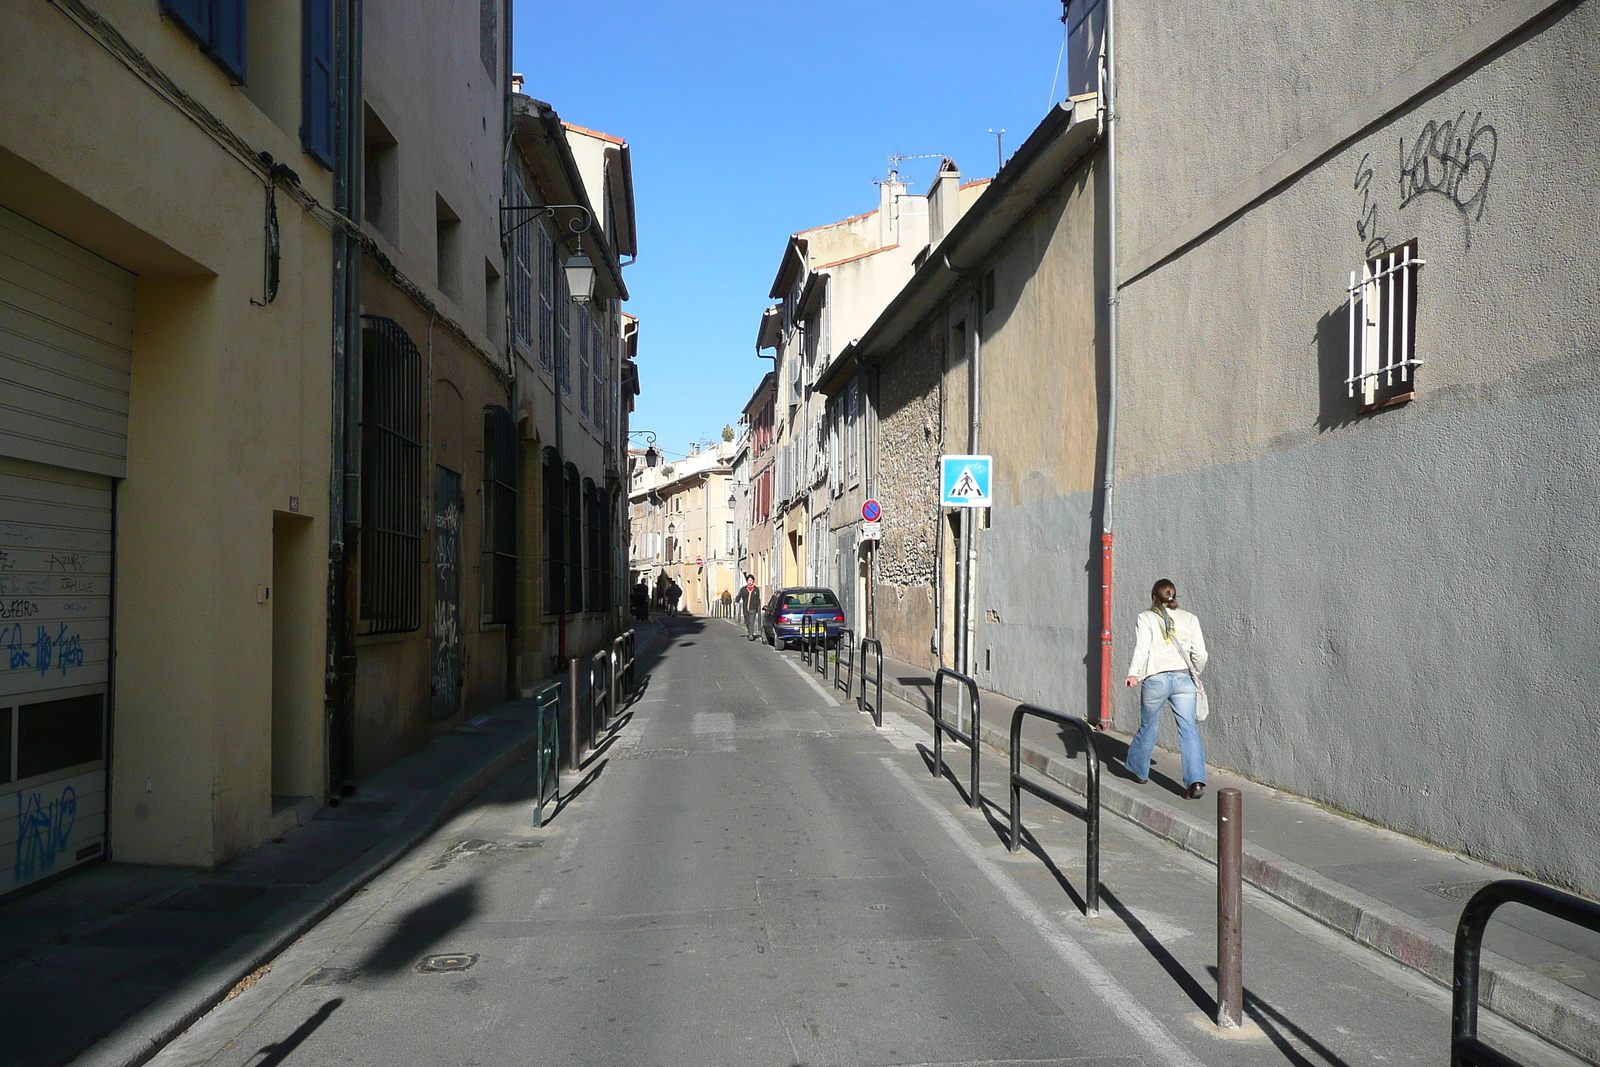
point(838, 618)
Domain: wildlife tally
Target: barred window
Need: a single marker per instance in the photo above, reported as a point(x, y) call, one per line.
point(852, 425)
point(547, 295)
point(555, 534)
point(499, 515)
point(393, 428)
point(1383, 328)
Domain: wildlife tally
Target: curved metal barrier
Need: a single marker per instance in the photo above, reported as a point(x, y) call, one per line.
point(803, 642)
point(621, 668)
point(546, 749)
point(819, 655)
point(1089, 812)
point(861, 701)
point(847, 640)
point(940, 728)
point(1465, 1048)
point(599, 660)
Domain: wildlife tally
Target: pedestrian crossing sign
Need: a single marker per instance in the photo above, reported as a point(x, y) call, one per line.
point(964, 481)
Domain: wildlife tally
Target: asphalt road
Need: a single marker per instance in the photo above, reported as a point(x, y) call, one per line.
point(752, 874)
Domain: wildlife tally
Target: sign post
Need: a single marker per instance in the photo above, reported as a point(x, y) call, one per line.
point(964, 481)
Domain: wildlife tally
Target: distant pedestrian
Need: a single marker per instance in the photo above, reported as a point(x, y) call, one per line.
point(1169, 652)
point(674, 591)
point(641, 601)
point(749, 601)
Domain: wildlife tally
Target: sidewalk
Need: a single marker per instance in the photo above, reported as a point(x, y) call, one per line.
point(1394, 894)
point(110, 964)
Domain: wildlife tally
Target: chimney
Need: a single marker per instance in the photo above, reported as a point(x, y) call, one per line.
point(889, 193)
point(516, 83)
point(944, 201)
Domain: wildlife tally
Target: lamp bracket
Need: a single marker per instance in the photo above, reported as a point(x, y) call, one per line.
point(579, 223)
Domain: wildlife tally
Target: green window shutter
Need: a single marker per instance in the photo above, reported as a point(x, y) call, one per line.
point(316, 80)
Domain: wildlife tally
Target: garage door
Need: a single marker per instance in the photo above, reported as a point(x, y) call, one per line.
point(66, 320)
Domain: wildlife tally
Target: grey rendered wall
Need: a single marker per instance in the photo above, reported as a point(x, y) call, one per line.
point(1398, 602)
point(1039, 563)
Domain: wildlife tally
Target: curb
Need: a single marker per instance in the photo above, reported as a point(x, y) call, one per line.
point(1538, 1004)
point(139, 1039)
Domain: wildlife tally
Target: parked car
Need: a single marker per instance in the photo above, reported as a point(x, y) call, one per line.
point(780, 619)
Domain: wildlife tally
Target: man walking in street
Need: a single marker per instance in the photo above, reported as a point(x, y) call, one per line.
point(749, 600)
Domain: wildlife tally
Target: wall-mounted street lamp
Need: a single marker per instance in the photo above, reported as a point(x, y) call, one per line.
point(579, 267)
point(652, 455)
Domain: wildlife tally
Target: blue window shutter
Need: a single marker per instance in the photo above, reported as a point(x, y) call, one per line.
point(316, 80)
point(227, 45)
point(193, 15)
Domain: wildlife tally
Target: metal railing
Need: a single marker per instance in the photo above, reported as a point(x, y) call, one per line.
point(546, 749)
point(601, 660)
point(819, 655)
point(621, 668)
point(940, 728)
point(847, 641)
point(810, 629)
point(1089, 811)
point(1465, 1048)
point(861, 700)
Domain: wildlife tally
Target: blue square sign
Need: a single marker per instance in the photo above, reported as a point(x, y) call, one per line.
point(964, 481)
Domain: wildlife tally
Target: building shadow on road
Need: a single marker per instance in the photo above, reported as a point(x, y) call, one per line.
point(420, 929)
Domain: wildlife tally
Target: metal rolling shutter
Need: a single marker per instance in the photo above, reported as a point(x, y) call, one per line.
point(66, 320)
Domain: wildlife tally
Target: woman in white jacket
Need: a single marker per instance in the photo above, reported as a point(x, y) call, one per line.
point(1167, 642)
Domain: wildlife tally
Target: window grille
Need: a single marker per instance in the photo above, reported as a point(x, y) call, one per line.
point(393, 430)
point(555, 534)
point(575, 524)
point(547, 294)
point(852, 422)
point(1383, 328)
point(499, 515)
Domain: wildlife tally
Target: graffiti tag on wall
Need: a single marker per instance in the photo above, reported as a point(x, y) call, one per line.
point(1452, 160)
point(43, 830)
point(54, 646)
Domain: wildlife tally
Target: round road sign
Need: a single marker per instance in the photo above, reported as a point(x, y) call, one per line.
point(699, 561)
point(871, 511)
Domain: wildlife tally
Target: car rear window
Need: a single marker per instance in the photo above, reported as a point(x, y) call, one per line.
point(820, 599)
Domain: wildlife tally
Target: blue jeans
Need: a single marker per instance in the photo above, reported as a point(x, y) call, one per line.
point(1158, 689)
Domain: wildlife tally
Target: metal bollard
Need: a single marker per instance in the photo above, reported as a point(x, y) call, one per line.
point(1230, 912)
point(575, 752)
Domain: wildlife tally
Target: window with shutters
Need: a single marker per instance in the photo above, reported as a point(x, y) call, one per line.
point(217, 26)
point(584, 335)
point(499, 515)
point(547, 296)
point(597, 356)
point(593, 587)
point(316, 80)
point(522, 268)
point(393, 493)
point(574, 541)
point(555, 534)
point(852, 428)
point(563, 316)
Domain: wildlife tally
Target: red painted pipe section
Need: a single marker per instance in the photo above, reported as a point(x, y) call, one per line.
point(1105, 633)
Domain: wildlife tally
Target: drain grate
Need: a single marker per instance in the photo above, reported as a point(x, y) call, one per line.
point(448, 963)
point(1461, 891)
point(655, 753)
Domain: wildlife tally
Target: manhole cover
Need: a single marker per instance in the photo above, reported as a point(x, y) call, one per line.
point(1456, 890)
point(877, 907)
point(450, 961)
point(219, 898)
point(655, 753)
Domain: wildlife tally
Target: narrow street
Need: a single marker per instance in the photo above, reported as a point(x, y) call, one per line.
point(751, 874)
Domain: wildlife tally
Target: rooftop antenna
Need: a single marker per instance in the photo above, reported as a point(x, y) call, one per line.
point(999, 147)
point(895, 159)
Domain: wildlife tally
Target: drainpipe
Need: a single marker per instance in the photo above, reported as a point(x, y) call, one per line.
point(970, 520)
point(344, 490)
point(1108, 481)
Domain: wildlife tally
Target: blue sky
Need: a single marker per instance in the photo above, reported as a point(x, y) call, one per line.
point(748, 122)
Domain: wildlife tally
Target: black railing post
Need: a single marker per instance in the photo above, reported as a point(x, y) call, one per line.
point(940, 728)
point(1089, 813)
point(575, 752)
